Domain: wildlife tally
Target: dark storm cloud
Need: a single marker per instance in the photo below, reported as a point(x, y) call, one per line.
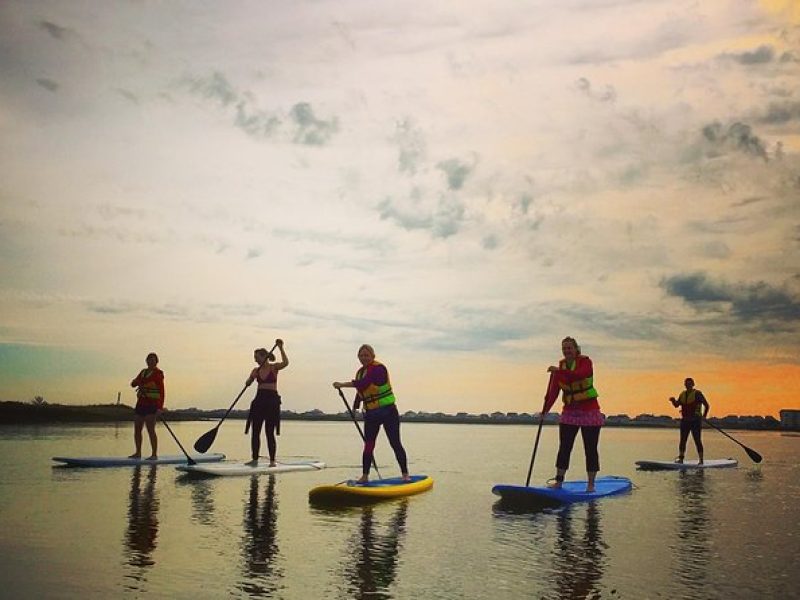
point(757, 302)
point(48, 84)
point(761, 55)
point(738, 136)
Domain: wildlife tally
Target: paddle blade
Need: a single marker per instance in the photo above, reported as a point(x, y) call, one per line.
point(755, 456)
point(204, 442)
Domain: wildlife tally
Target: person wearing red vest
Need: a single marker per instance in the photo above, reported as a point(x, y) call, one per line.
point(374, 390)
point(574, 376)
point(149, 403)
point(694, 408)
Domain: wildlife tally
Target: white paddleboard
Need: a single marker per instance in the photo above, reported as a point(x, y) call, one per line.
point(669, 465)
point(233, 469)
point(124, 461)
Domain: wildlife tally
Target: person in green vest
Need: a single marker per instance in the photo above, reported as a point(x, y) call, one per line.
point(694, 408)
point(574, 379)
point(149, 384)
point(374, 391)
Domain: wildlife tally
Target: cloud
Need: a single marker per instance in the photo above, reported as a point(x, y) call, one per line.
point(300, 124)
point(755, 303)
point(779, 113)
point(442, 221)
point(48, 84)
point(411, 146)
point(607, 94)
point(761, 55)
point(129, 96)
point(310, 129)
point(456, 171)
point(738, 136)
point(56, 31)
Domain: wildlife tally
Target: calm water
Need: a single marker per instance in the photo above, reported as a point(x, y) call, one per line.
point(104, 533)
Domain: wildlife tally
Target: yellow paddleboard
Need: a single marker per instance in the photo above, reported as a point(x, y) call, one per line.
point(350, 492)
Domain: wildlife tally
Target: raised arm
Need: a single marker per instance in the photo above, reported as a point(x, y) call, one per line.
point(284, 362)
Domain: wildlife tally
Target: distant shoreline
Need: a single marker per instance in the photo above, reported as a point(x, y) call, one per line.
point(20, 413)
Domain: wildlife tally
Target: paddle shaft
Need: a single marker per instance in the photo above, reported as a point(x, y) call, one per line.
point(538, 433)
point(177, 441)
point(755, 456)
point(535, 446)
point(361, 433)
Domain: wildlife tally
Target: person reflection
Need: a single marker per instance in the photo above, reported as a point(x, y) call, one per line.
point(142, 531)
point(373, 567)
point(691, 551)
point(259, 545)
point(579, 560)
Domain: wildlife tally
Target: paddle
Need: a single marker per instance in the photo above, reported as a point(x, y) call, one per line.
point(361, 433)
point(755, 456)
point(204, 442)
point(174, 437)
point(545, 408)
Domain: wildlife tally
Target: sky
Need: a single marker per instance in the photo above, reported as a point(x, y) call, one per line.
point(460, 184)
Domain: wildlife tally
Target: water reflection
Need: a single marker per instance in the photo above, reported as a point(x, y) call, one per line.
point(203, 507)
point(576, 564)
point(691, 550)
point(370, 566)
point(579, 557)
point(262, 573)
point(142, 532)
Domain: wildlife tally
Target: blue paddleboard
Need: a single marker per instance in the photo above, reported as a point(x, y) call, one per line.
point(568, 493)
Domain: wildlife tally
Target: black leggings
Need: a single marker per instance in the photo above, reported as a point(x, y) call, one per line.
point(566, 438)
point(390, 419)
point(694, 426)
point(265, 410)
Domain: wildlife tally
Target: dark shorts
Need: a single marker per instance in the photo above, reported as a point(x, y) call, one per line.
point(145, 408)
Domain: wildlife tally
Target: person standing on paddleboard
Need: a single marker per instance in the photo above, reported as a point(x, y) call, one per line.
point(149, 403)
point(265, 409)
point(574, 378)
point(374, 390)
point(694, 408)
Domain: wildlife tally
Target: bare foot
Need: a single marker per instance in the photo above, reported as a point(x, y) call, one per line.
point(589, 489)
point(406, 477)
point(554, 484)
point(252, 463)
point(362, 479)
point(134, 455)
point(273, 464)
point(152, 457)
point(679, 460)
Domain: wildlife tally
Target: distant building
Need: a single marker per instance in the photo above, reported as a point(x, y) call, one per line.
point(790, 419)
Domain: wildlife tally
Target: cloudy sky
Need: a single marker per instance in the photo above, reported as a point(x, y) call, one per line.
point(459, 183)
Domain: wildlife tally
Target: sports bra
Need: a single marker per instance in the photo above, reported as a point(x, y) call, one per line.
point(272, 376)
